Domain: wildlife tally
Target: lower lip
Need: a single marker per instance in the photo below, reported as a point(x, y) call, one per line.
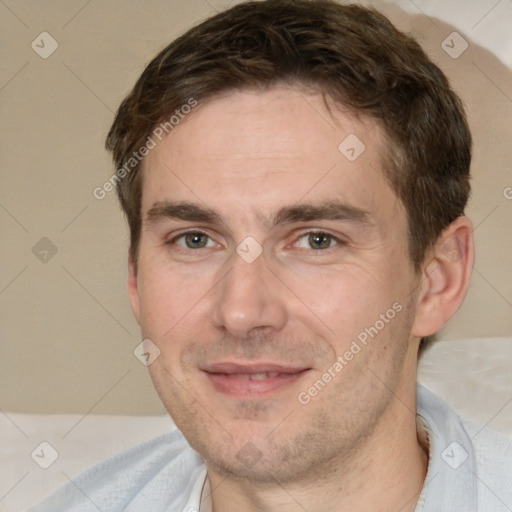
point(244, 388)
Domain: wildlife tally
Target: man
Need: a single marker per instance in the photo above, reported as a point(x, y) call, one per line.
point(294, 175)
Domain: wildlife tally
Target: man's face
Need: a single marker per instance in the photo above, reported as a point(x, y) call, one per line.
point(243, 335)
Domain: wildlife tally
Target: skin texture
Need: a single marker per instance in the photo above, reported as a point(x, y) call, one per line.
point(246, 156)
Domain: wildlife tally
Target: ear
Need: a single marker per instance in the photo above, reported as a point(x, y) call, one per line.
point(133, 288)
point(445, 278)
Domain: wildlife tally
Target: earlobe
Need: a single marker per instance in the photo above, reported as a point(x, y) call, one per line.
point(446, 278)
point(133, 289)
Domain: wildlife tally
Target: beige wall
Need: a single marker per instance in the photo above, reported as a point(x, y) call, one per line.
point(67, 334)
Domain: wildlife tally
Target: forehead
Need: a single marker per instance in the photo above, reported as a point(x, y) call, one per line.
point(259, 149)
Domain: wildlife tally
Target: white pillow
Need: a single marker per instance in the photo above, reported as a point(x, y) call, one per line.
point(474, 375)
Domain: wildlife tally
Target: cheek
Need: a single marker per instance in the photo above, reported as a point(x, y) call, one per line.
point(347, 298)
point(173, 305)
point(163, 299)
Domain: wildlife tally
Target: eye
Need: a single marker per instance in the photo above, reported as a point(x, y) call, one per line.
point(193, 240)
point(316, 240)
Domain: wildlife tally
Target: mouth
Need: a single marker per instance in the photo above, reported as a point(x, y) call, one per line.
point(253, 380)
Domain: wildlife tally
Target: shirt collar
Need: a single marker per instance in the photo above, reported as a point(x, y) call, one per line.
point(450, 483)
point(200, 497)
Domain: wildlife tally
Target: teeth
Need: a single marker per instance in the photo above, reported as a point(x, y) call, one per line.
point(262, 376)
point(254, 376)
point(259, 376)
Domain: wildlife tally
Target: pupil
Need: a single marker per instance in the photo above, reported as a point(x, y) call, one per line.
point(319, 240)
point(195, 240)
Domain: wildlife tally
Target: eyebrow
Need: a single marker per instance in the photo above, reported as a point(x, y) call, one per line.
point(331, 210)
point(305, 212)
point(182, 211)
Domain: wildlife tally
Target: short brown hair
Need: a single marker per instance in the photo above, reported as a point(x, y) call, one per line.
point(352, 55)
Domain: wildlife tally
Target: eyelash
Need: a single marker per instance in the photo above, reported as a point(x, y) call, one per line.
point(337, 241)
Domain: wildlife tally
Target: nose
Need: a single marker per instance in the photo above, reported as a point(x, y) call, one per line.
point(249, 298)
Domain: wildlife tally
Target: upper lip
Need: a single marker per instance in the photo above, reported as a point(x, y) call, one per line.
point(252, 368)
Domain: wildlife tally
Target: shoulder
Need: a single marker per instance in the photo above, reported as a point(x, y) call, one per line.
point(472, 464)
point(493, 461)
point(151, 476)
